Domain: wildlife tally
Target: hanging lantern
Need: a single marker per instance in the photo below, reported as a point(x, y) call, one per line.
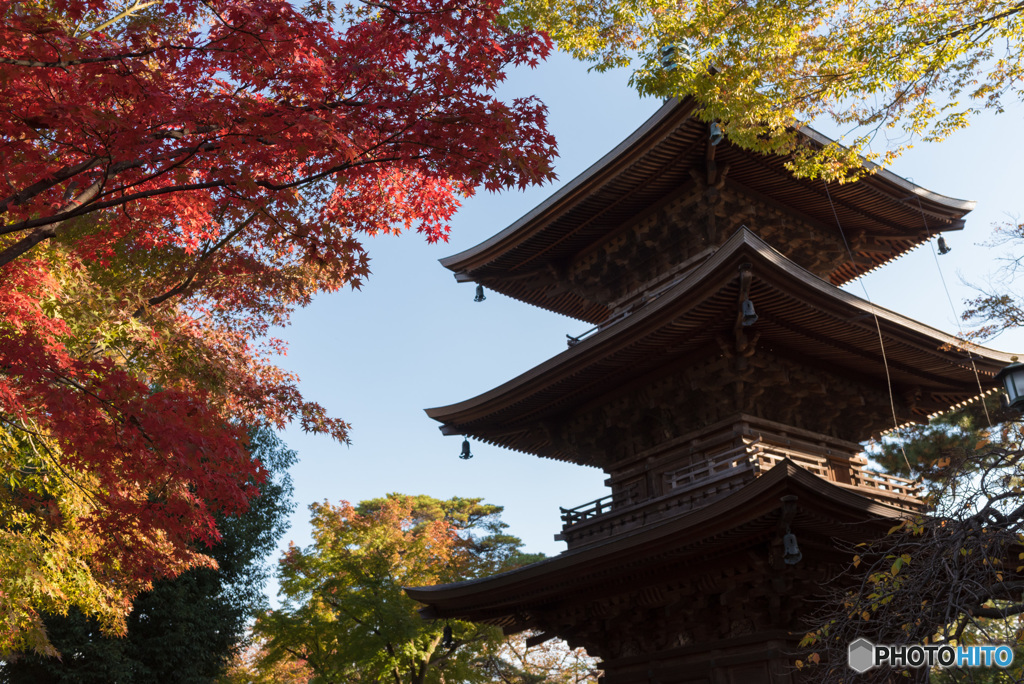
point(465, 455)
point(668, 57)
point(479, 294)
point(1012, 378)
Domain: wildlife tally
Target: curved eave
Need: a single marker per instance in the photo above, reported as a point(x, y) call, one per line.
point(937, 200)
point(826, 512)
point(661, 123)
point(800, 313)
point(654, 161)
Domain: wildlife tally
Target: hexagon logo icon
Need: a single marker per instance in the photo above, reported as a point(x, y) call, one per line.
point(861, 655)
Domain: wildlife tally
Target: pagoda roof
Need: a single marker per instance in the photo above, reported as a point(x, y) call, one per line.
point(672, 548)
point(895, 214)
point(800, 315)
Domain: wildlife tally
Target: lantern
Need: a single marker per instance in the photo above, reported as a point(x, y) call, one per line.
point(1012, 378)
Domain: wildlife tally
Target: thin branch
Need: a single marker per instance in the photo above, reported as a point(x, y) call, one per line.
point(183, 287)
point(64, 63)
point(136, 6)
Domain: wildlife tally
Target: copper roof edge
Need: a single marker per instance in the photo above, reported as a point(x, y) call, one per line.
point(665, 115)
point(783, 474)
point(673, 113)
point(742, 240)
point(943, 200)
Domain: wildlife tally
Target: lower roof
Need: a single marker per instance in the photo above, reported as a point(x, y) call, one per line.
point(824, 512)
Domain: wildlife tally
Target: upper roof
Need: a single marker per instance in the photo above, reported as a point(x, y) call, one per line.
point(674, 547)
point(656, 160)
point(800, 315)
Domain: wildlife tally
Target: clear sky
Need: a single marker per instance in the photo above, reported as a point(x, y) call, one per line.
point(413, 338)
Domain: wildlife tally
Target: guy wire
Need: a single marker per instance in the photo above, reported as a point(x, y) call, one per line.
point(878, 328)
point(956, 316)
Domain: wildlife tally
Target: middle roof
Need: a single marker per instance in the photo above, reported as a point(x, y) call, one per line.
point(802, 319)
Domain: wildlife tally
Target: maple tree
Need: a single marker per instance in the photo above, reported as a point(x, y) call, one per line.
point(504, 661)
point(886, 72)
point(186, 628)
point(344, 612)
point(249, 666)
point(178, 177)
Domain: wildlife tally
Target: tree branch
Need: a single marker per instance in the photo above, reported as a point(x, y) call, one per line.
point(182, 287)
point(64, 63)
point(136, 6)
point(48, 230)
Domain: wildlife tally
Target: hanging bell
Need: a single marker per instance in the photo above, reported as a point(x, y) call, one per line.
point(749, 317)
point(715, 133)
point(447, 639)
point(465, 455)
point(479, 294)
point(791, 551)
point(943, 247)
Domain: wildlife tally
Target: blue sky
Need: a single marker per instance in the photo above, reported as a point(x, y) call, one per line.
point(412, 338)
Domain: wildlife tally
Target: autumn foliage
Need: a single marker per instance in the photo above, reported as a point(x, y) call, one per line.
point(177, 178)
point(885, 74)
point(344, 612)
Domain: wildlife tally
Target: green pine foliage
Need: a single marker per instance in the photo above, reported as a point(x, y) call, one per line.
point(928, 451)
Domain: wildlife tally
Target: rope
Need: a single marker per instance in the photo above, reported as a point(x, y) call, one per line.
point(956, 316)
point(878, 328)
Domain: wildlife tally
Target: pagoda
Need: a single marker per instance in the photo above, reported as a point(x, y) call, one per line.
point(725, 390)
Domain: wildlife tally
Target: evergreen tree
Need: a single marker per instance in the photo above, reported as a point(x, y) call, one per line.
point(928, 451)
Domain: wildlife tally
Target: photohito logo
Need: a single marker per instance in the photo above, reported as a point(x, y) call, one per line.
point(863, 655)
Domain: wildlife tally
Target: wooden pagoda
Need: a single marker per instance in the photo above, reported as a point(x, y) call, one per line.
point(725, 390)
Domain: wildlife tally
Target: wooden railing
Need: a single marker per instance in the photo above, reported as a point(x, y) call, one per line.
point(722, 472)
point(859, 477)
point(592, 509)
point(732, 461)
point(770, 455)
point(881, 481)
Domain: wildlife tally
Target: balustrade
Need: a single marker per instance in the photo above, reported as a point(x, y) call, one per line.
point(719, 473)
point(592, 509)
